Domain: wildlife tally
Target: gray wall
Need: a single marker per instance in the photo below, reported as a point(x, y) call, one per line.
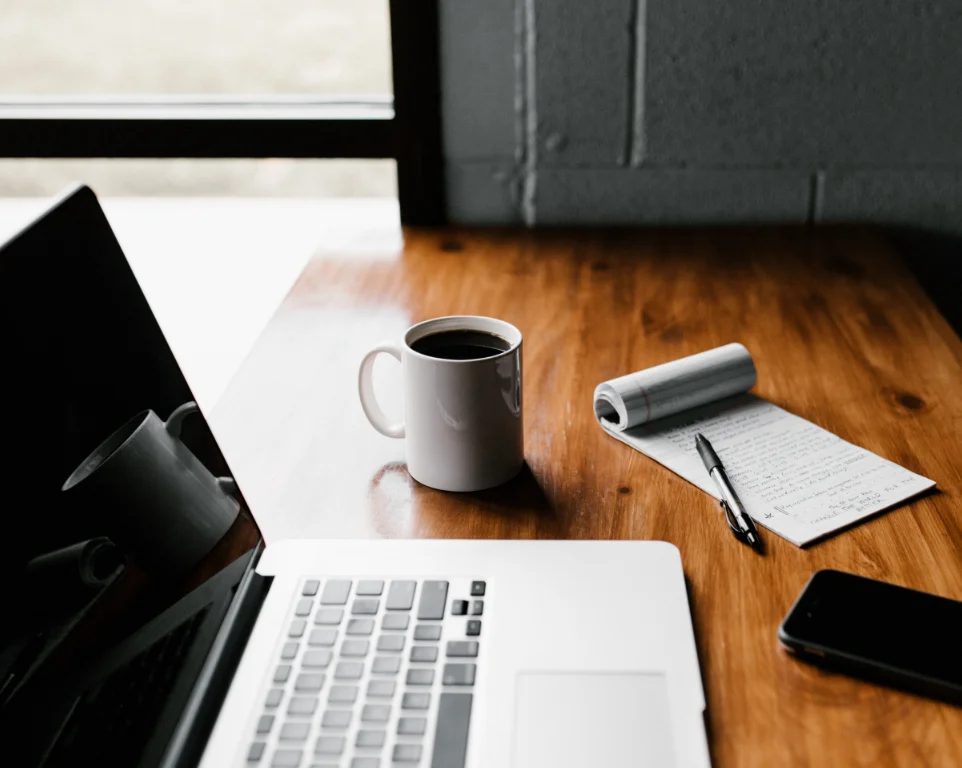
point(703, 111)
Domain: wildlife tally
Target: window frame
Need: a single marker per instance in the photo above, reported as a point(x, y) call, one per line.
point(405, 128)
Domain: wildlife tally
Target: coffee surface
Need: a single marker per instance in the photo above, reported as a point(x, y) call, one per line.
point(461, 345)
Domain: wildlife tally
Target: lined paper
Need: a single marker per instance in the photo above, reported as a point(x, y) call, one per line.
point(793, 477)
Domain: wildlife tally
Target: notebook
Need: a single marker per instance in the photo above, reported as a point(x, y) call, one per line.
point(796, 479)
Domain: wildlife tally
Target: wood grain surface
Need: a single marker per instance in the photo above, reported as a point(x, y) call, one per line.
point(841, 334)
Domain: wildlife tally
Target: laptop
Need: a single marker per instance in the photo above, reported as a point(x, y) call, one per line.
point(117, 650)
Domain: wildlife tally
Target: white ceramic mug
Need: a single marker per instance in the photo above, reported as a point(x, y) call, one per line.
point(463, 418)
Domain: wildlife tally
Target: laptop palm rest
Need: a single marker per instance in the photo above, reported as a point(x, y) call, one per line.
point(570, 720)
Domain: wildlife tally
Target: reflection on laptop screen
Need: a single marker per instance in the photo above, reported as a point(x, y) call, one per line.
point(116, 501)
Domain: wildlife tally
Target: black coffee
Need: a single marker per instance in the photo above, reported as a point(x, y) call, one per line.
point(461, 345)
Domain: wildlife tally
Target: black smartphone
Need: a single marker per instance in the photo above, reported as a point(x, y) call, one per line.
point(877, 631)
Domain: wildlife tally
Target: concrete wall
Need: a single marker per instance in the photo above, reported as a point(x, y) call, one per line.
point(700, 111)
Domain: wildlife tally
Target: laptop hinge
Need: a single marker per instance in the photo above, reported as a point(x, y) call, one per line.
point(201, 710)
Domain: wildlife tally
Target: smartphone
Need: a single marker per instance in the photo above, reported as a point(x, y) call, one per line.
point(880, 632)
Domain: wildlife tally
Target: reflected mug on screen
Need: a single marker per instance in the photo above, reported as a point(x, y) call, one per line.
point(462, 401)
point(156, 498)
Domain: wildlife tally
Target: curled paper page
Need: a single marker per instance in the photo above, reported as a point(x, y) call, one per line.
point(671, 388)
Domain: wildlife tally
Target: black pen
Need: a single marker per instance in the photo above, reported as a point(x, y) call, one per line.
point(738, 519)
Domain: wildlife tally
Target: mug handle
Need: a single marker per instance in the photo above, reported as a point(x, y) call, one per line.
point(365, 388)
point(228, 485)
point(176, 420)
point(173, 426)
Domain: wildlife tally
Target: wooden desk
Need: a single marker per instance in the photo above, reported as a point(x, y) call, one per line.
point(841, 333)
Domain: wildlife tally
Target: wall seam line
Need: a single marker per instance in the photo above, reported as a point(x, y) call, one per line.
point(530, 115)
point(636, 94)
point(628, 150)
point(816, 198)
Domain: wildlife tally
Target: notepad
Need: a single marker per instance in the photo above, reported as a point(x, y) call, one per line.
point(796, 479)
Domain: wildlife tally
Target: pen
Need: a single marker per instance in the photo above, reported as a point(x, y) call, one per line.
point(738, 520)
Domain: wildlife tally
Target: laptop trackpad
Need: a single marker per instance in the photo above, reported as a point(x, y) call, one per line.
point(577, 719)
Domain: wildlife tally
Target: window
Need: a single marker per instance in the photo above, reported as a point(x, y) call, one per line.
point(215, 47)
point(206, 79)
point(272, 177)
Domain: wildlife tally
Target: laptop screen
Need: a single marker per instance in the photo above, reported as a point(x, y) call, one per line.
point(115, 500)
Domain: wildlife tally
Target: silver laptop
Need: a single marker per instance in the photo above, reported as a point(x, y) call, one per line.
point(433, 653)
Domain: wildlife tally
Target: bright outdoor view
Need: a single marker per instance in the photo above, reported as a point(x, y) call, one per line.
point(216, 48)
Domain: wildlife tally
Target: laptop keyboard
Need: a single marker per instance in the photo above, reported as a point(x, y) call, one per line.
point(373, 673)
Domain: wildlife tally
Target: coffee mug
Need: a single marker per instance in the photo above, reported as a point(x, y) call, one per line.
point(462, 401)
point(156, 498)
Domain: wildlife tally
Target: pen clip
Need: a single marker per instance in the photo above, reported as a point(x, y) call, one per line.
point(732, 522)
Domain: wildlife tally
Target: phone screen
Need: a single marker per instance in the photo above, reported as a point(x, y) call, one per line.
point(871, 620)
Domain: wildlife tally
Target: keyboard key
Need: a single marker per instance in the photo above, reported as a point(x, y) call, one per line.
point(427, 632)
point(380, 689)
point(477, 607)
point(416, 701)
point(286, 758)
point(309, 682)
point(282, 673)
point(302, 705)
point(451, 731)
point(274, 697)
point(336, 592)
point(459, 674)
point(310, 587)
point(365, 606)
point(424, 653)
point(355, 648)
point(390, 643)
point(322, 637)
point(329, 745)
point(342, 694)
point(420, 676)
point(336, 718)
point(317, 659)
point(360, 626)
point(395, 621)
point(295, 731)
point(289, 651)
point(297, 628)
point(329, 616)
point(400, 597)
point(375, 713)
point(465, 648)
point(386, 665)
point(370, 587)
point(370, 738)
point(477, 588)
point(365, 762)
point(412, 726)
point(265, 723)
point(406, 753)
point(349, 670)
point(304, 606)
point(473, 628)
point(434, 595)
point(256, 752)
point(459, 607)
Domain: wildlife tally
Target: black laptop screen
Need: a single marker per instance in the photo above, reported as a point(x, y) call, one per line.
point(110, 509)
